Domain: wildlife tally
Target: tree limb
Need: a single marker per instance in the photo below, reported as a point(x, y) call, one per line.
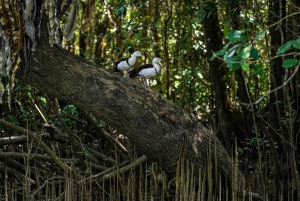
point(104, 134)
point(57, 132)
point(158, 127)
point(10, 171)
point(59, 137)
point(41, 144)
point(112, 172)
point(9, 155)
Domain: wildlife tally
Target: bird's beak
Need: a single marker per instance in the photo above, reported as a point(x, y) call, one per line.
point(160, 63)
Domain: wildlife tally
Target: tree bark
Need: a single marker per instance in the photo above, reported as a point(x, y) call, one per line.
point(216, 73)
point(278, 37)
point(159, 128)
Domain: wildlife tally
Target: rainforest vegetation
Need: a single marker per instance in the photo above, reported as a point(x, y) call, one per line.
point(219, 122)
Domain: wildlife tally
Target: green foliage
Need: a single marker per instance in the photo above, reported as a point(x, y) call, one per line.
point(245, 52)
point(254, 53)
point(290, 63)
point(254, 142)
point(261, 34)
point(70, 109)
point(240, 150)
point(285, 47)
point(258, 69)
point(296, 43)
point(237, 35)
point(85, 153)
point(12, 119)
point(239, 55)
point(121, 11)
point(206, 11)
point(226, 27)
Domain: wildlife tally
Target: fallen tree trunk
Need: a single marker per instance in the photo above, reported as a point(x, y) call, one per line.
point(159, 128)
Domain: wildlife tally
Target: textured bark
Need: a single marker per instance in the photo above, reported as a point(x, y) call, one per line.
point(278, 37)
point(217, 72)
point(159, 128)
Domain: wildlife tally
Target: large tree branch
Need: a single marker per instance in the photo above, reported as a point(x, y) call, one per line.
point(158, 127)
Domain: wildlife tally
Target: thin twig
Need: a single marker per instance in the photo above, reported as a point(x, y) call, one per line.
point(274, 130)
point(103, 133)
point(273, 90)
point(42, 145)
point(11, 171)
point(45, 183)
point(125, 169)
point(112, 172)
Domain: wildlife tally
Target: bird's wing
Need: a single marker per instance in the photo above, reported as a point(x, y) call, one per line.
point(138, 69)
point(123, 59)
point(135, 73)
point(117, 63)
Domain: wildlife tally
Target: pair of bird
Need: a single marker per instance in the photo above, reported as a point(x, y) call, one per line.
point(145, 71)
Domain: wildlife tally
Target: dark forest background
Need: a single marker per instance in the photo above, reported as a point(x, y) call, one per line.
point(233, 65)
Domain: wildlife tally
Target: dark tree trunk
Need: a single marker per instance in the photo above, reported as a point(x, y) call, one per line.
point(277, 35)
point(82, 39)
point(217, 71)
point(82, 44)
point(276, 100)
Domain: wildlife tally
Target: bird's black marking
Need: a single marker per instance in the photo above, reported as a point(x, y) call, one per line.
point(135, 72)
point(117, 63)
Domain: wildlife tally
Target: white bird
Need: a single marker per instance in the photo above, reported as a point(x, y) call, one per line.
point(146, 71)
point(125, 64)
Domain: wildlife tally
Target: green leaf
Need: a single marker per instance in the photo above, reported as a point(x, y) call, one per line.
point(226, 27)
point(253, 142)
point(227, 45)
point(296, 43)
point(245, 52)
point(258, 69)
point(228, 54)
point(285, 47)
point(202, 14)
point(256, 23)
point(290, 63)
point(88, 154)
point(207, 6)
point(261, 34)
point(233, 63)
point(240, 150)
point(218, 53)
point(254, 53)
point(209, 14)
point(247, 21)
point(236, 35)
point(234, 66)
point(213, 56)
point(245, 66)
point(229, 61)
point(221, 52)
point(235, 46)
